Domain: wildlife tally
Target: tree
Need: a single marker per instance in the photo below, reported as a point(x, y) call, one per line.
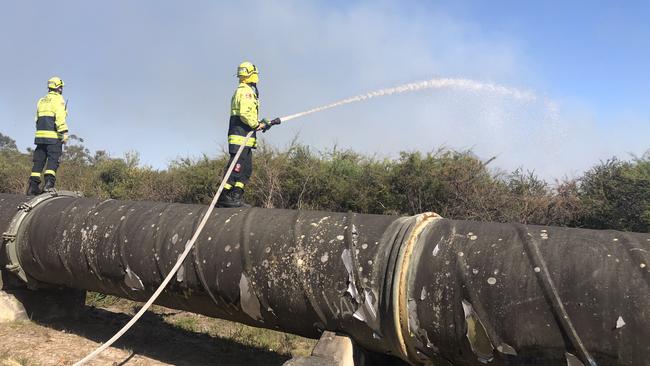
point(7, 143)
point(616, 195)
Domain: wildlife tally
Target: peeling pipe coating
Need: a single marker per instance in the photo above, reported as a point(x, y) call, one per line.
point(428, 290)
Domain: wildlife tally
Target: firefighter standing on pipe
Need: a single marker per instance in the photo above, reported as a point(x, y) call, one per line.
point(51, 134)
point(244, 109)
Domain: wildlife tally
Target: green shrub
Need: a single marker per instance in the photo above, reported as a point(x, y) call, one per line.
point(456, 184)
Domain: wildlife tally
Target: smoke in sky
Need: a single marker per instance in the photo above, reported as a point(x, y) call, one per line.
point(157, 76)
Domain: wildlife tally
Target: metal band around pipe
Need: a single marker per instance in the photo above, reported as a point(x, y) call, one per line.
point(400, 297)
point(12, 236)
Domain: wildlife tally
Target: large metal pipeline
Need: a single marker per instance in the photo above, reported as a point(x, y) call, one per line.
point(427, 290)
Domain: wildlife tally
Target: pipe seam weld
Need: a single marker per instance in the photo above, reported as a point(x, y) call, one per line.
point(551, 290)
point(400, 297)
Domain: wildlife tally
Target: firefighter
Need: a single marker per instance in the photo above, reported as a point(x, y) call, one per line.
point(244, 108)
point(51, 134)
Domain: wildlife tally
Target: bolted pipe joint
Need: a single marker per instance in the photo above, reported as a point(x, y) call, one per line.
point(13, 234)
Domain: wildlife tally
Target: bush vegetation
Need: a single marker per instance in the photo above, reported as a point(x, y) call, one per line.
point(614, 194)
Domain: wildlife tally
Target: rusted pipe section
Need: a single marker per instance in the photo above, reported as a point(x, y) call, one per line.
point(424, 289)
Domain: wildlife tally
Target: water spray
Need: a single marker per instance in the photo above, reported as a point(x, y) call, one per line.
point(439, 83)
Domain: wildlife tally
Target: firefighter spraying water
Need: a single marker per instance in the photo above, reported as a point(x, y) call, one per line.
point(244, 110)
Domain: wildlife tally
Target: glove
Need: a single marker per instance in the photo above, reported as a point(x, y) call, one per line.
point(273, 122)
point(65, 138)
point(263, 125)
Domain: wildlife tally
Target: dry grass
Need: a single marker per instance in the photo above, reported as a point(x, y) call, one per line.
point(282, 343)
point(162, 337)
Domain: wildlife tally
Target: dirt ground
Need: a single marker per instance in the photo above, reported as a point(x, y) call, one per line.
point(161, 337)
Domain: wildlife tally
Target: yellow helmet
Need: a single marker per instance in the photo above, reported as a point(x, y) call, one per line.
point(247, 73)
point(246, 69)
point(55, 83)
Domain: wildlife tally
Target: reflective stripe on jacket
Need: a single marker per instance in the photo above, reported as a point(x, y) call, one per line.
point(50, 119)
point(244, 108)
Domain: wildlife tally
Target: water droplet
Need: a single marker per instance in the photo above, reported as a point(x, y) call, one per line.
point(491, 280)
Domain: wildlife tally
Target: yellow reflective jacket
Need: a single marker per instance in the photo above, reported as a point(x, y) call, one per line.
point(244, 108)
point(50, 119)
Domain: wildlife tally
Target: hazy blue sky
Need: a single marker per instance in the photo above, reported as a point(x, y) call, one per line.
point(156, 76)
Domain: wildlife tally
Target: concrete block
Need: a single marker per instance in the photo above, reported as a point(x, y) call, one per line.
point(11, 309)
point(331, 350)
point(42, 304)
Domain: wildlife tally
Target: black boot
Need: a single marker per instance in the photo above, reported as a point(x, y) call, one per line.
point(49, 183)
point(226, 200)
point(232, 198)
point(238, 197)
point(34, 187)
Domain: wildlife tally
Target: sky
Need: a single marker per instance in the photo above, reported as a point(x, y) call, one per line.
point(156, 77)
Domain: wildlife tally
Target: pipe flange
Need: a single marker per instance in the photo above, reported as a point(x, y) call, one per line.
point(10, 237)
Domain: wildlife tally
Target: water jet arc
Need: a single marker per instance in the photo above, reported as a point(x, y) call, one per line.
point(438, 83)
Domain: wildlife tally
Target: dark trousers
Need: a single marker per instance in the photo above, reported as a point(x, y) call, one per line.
point(46, 156)
point(241, 174)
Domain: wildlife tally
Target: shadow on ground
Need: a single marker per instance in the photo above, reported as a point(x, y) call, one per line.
point(159, 340)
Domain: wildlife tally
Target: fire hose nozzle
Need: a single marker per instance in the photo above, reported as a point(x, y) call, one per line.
point(272, 123)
